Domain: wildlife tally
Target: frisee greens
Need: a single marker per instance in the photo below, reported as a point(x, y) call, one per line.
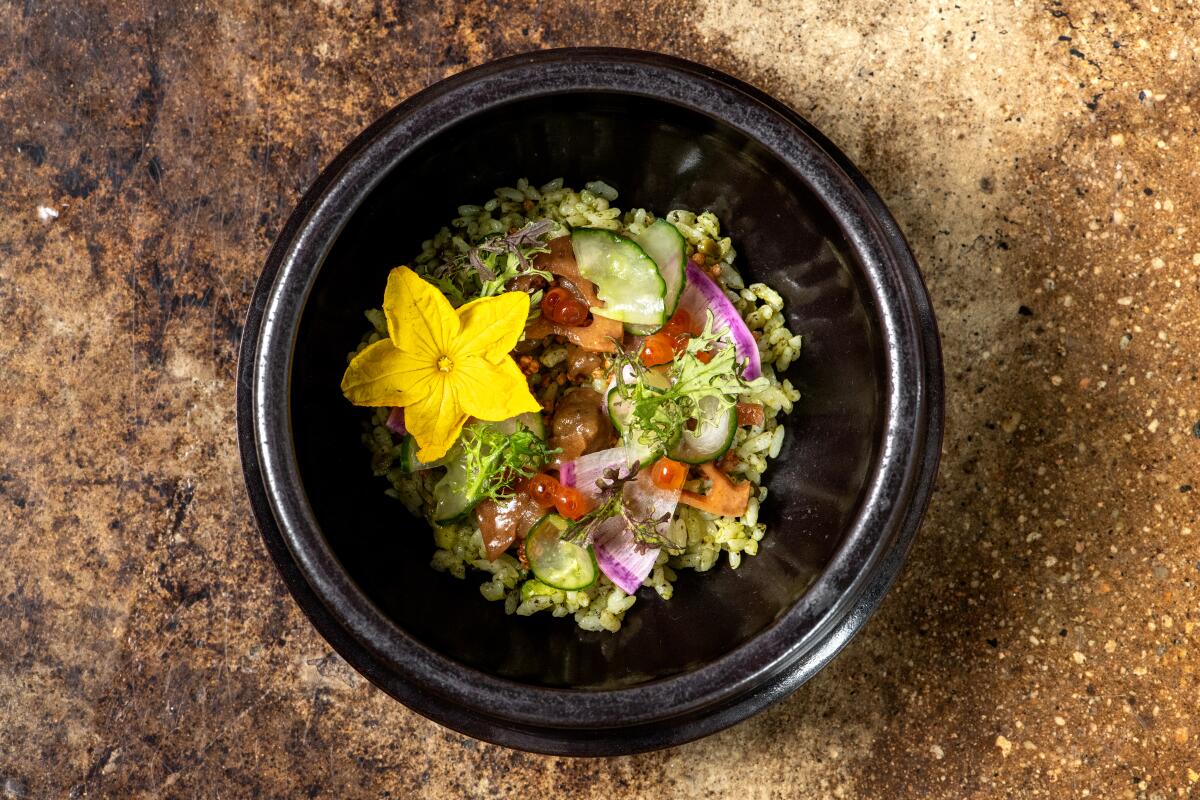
point(484, 269)
point(494, 460)
point(659, 414)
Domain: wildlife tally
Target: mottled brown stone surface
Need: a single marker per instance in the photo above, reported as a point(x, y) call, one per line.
point(1041, 156)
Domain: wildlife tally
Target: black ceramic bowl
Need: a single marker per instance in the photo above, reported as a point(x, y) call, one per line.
point(846, 494)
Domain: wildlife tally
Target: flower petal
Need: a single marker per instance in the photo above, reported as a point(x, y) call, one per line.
point(491, 326)
point(492, 391)
point(436, 419)
point(420, 319)
point(381, 375)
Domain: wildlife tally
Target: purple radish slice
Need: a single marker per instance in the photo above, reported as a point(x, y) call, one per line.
point(703, 295)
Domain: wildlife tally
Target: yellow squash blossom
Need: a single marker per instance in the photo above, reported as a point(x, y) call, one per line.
point(440, 364)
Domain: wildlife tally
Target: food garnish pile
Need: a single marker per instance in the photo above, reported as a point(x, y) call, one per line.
point(570, 405)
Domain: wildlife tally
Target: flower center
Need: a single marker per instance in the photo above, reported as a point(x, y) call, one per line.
point(444, 364)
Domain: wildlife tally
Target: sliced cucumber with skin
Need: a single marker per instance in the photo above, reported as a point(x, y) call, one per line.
point(636, 451)
point(713, 436)
point(457, 492)
point(535, 588)
point(618, 410)
point(667, 247)
point(619, 413)
point(530, 420)
point(408, 456)
point(626, 278)
point(556, 563)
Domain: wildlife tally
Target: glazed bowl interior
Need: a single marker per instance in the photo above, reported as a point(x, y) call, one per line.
point(659, 156)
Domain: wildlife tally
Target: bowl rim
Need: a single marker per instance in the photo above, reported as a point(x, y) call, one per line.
point(664, 711)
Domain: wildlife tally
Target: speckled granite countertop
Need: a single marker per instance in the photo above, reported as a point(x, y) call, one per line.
point(1042, 158)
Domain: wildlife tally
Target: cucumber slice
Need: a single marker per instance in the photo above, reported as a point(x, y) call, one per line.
point(457, 492)
point(627, 280)
point(713, 435)
point(559, 564)
point(531, 421)
point(618, 409)
point(666, 245)
point(619, 412)
point(408, 456)
point(644, 455)
point(535, 588)
point(655, 379)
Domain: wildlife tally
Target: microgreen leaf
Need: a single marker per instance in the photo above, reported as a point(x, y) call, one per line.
point(496, 459)
point(485, 269)
point(659, 414)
